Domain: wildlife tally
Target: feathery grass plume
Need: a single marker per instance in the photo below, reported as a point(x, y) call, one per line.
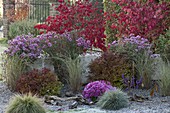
point(25, 104)
point(113, 100)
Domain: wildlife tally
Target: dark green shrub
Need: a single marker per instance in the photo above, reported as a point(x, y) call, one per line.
point(162, 46)
point(113, 100)
point(161, 43)
point(25, 104)
point(39, 82)
point(110, 67)
point(21, 27)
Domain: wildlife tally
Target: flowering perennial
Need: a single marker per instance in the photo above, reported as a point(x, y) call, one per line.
point(84, 43)
point(96, 89)
point(28, 46)
point(138, 41)
point(131, 82)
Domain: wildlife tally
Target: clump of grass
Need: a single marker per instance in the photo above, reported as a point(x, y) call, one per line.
point(74, 78)
point(163, 72)
point(144, 67)
point(113, 100)
point(13, 67)
point(25, 104)
point(21, 27)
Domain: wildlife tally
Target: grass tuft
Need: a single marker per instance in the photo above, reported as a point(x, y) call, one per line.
point(113, 100)
point(25, 104)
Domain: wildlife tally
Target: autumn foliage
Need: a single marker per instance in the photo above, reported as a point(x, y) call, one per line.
point(147, 19)
point(17, 11)
point(81, 16)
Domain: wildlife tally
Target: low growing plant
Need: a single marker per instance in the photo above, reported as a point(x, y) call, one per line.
point(25, 104)
point(38, 82)
point(113, 100)
point(95, 89)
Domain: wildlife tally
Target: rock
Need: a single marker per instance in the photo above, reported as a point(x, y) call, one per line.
point(73, 105)
point(42, 63)
point(69, 94)
point(85, 61)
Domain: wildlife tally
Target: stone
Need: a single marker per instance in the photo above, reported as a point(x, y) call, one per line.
point(73, 105)
point(42, 63)
point(85, 61)
point(69, 94)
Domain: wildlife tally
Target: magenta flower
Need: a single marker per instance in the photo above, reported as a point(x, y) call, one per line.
point(96, 89)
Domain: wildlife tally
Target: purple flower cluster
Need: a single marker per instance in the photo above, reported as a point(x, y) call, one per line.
point(84, 43)
point(25, 46)
point(155, 56)
point(96, 89)
point(67, 35)
point(131, 82)
point(28, 46)
point(141, 43)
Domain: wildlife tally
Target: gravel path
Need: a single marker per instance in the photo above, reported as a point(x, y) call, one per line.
point(156, 104)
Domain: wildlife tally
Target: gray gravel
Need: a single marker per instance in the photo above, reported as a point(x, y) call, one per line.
point(5, 95)
point(156, 104)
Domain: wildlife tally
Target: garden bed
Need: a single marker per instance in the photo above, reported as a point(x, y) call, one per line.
point(126, 71)
point(155, 104)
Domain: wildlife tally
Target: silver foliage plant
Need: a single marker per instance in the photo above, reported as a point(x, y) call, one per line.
point(113, 100)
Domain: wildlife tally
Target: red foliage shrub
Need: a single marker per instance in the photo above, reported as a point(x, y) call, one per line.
point(110, 67)
point(38, 82)
point(83, 17)
point(147, 19)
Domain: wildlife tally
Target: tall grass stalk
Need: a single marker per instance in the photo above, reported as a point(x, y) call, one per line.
point(163, 71)
point(75, 72)
point(22, 27)
point(144, 66)
point(13, 67)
